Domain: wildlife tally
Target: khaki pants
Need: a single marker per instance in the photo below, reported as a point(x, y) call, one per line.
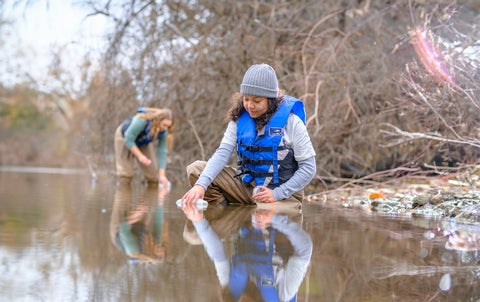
point(125, 160)
point(225, 187)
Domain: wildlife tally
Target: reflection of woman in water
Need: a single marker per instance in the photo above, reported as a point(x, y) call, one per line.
point(270, 260)
point(137, 228)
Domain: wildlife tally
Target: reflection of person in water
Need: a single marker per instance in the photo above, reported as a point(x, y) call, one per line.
point(137, 228)
point(270, 260)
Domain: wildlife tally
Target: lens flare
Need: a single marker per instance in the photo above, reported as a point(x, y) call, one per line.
point(429, 57)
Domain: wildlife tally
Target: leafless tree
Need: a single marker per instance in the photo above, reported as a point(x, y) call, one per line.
point(352, 62)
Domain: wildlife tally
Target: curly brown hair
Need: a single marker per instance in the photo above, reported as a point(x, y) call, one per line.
point(237, 108)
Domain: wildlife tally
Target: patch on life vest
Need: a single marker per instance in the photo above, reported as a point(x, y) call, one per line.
point(267, 281)
point(275, 131)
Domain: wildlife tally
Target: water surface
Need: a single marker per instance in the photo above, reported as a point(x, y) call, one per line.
point(64, 237)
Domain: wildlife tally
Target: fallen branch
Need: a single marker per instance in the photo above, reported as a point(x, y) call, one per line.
point(405, 136)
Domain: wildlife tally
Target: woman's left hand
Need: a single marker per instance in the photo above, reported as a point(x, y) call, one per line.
point(265, 195)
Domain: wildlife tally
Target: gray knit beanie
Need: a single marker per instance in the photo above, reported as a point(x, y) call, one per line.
point(260, 80)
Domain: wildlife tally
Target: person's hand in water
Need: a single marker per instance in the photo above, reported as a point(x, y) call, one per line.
point(195, 193)
point(263, 194)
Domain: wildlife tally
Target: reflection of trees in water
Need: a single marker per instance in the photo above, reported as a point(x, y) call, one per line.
point(115, 277)
point(356, 256)
point(61, 219)
point(360, 257)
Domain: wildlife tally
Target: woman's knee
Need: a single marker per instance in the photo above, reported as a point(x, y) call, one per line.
point(194, 170)
point(196, 167)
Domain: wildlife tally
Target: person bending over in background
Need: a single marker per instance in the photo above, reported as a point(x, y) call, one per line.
point(136, 137)
point(275, 153)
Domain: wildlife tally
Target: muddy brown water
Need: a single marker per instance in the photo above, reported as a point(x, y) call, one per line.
point(64, 237)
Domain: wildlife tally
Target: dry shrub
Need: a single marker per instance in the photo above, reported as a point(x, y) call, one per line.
point(346, 59)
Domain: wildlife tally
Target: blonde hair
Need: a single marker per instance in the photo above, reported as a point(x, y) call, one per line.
point(157, 115)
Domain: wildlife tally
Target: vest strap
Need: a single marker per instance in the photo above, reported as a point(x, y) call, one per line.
point(249, 161)
point(260, 148)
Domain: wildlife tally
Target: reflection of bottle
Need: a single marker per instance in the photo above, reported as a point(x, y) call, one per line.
point(202, 204)
point(169, 186)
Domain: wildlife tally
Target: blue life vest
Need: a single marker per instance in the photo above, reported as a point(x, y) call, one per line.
point(142, 138)
point(265, 158)
point(253, 257)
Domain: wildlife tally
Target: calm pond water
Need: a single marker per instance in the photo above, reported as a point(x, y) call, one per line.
point(66, 238)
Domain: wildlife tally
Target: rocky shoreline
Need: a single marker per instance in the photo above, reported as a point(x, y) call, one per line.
point(435, 197)
point(452, 206)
